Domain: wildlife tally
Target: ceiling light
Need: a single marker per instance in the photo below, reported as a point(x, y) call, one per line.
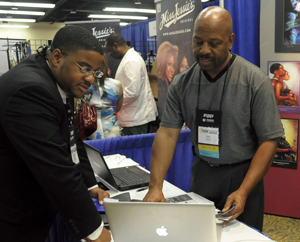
point(14, 8)
point(117, 16)
point(123, 23)
point(30, 5)
point(14, 26)
point(20, 20)
point(22, 12)
point(137, 10)
point(204, 1)
point(137, 2)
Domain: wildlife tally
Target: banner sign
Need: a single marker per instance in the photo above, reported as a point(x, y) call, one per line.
point(174, 25)
point(101, 29)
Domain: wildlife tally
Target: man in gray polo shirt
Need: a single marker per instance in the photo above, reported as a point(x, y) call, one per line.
point(229, 105)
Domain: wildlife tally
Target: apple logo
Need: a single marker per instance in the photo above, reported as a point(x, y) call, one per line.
point(162, 231)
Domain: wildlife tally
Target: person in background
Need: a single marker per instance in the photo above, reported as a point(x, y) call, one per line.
point(230, 107)
point(107, 94)
point(138, 107)
point(44, 169)
point(166, 69)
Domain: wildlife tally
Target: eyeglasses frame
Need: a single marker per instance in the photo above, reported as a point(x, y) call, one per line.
point(83, 69)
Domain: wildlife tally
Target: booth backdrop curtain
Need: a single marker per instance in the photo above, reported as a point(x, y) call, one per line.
point(245, 17)
point(138, 35)
point(214, 3)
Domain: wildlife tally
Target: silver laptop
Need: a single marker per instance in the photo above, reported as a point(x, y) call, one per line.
point(167, 222)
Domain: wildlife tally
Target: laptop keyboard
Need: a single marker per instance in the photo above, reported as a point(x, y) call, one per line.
point(127, 177)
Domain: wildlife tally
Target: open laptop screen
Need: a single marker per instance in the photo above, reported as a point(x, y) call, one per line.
point(99, 166)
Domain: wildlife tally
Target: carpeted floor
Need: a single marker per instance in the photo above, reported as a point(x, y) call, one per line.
point(282, 229)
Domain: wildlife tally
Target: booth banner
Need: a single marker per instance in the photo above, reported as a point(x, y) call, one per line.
point(287, 145)
point(101, 29)
point(174, 25)
point(285, 76)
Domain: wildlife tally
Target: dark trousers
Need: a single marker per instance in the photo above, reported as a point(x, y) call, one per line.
point(140, 129)
point(218, 182)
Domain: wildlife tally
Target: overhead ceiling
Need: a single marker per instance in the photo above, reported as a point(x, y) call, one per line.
point(78, 10)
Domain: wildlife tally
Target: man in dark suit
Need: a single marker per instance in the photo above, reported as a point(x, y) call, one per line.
point(44, 168)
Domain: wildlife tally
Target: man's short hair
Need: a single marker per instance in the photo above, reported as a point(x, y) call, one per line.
point(274, 67)
point(74, 38)
point(115, 38)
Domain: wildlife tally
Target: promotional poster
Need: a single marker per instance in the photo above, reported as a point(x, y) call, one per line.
point(287, 26)
point(285, 76)
point(287, 147)
point(101, 29)
point(174, 24)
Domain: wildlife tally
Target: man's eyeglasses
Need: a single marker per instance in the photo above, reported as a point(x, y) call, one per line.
point(84, 69)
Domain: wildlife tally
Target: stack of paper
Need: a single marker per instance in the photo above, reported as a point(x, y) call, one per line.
point(117, 160)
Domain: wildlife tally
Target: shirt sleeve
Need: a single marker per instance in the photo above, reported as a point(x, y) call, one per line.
point(90, 188)
point(264, 107)
point(131, 81)
point(96, 233)
point(172, 115)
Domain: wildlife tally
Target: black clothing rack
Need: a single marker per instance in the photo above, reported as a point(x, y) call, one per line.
point(18, 50)
point(150, 60)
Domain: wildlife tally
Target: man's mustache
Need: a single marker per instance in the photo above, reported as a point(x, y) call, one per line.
point(206, 57)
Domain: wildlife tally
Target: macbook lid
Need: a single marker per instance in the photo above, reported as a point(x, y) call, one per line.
point(167, 222)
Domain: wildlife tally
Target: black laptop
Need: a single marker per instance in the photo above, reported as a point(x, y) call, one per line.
point(123, 178)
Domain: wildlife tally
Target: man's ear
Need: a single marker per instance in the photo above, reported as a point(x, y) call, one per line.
point(57, 57)
point(116, 45)
point(231, 40)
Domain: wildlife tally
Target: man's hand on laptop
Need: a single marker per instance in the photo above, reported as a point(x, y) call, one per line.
point(238, 200)
point(154, 195)
point(105, 236)
point(101, 194)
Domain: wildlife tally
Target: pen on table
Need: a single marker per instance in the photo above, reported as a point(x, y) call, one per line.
point(142, 189)
point(121, 160)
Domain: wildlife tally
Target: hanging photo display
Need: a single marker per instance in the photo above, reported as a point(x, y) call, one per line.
point(287, 26)
point(287, 147)
point(174, 24)
point(285, 76)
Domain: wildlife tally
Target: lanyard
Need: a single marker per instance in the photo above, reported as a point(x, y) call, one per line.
point(69, 113)
point(209, 136)
point(72, 141)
